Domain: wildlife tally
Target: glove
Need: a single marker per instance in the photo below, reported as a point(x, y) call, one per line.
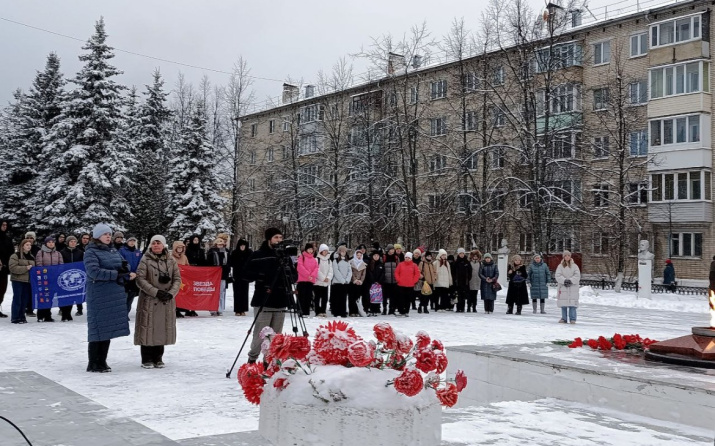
point(164, 296)
point(124, 269)
point(567, 283)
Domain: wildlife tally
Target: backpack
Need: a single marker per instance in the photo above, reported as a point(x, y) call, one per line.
point(376, 293)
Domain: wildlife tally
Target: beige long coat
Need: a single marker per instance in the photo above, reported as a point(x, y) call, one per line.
point(156, 320)
point(567, 296)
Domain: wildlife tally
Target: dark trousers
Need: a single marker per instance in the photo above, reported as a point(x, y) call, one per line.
point(305, 296)
point(425, 300)
point(152, 353)
point(320, 299)
point(443, 298)
point(462, 296)
point(472, 300)
point(404, 299)
point(518, 308)
point(354, 298)
point(66, 312)
point(389, 296)
point(3, 285)
point(21, 296)
point(240, 296)
point(338, 299)
point(488, 305)
point(131, 294)
point(45, 314)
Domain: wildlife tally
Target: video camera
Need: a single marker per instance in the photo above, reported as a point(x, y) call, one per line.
point(286, 248)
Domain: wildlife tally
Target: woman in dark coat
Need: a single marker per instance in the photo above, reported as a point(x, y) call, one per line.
point(159, 280)
point(240, 287)
point(195, 251)
point(517, 293)
point(462, 274)
point(106, 301)
point(375, 274)
point(489, 273)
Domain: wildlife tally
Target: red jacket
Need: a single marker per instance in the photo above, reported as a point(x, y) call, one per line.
point(407, 274)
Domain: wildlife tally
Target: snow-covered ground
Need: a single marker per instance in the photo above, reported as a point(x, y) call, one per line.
point(191, 397)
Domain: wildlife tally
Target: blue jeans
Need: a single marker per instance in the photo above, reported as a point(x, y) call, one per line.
point(21, 295)
point(571, 313)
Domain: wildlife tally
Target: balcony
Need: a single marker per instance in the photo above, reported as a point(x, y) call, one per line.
point(680, 212)
point(680, 105)
point(679, 52)
point(676, 157)
point(561, 121)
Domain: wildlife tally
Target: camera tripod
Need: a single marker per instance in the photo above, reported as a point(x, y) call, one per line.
point(283, 272)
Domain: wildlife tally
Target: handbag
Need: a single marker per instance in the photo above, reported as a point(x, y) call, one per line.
point(496, 286)
point(426, 289)
point(376, 293)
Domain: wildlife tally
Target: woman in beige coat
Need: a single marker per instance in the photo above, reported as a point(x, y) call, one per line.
point(159, 280)
point(568, 276)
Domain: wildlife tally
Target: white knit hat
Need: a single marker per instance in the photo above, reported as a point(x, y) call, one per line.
point(408, 255)
point(159, 238)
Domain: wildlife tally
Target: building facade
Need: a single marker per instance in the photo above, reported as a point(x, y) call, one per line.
point(581, 137)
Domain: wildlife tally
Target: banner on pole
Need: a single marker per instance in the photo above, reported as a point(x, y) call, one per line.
point(58, 285)
point(200, 288)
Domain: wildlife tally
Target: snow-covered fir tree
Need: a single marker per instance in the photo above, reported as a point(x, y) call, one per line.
point(148, 198)
point(33, 116)
point(85, 165)
point(195, 202)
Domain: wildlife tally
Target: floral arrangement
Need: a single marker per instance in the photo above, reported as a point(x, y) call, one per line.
point(421, 362)
point(632, 342)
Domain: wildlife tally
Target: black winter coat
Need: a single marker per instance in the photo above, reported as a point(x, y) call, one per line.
point(375, 273)
point(196, 254)
point(263, 268)
point(461, 272)
point(72, 255)
point(239, 258)
point(517, 292)
point(215, 257)
point(6, 250)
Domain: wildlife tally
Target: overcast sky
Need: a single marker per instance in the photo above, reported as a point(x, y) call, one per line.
point(278, 38)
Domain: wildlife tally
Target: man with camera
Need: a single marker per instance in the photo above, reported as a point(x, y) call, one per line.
point(274, 273)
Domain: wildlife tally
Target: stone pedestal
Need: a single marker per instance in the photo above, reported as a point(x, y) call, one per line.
point(503, 265)
point(645, 272)
point(697, 350)
point(331, 424)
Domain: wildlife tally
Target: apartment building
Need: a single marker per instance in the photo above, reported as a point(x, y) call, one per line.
point(587, 137)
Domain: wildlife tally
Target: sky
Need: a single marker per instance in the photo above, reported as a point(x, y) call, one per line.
point(279, 38)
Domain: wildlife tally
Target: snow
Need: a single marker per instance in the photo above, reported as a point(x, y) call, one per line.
point(192, 398)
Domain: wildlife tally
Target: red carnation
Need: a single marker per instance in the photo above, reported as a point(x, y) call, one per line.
point(593, 344)
point(398, 362)
point(448, 395)
point(423, 340)
point(249, 369)
point(437, 345)
point(604, 344)
point(409, 382)
point(361, 353)
point(251, 380)
point(385, 334)
point(404, 343)
point(578, 342)
point(280, 347)
point(332, 341)
point(648, 342)
point(280, 383)
point(299, 347)
point(441, 360)
point(461, 380)
point(426, 360)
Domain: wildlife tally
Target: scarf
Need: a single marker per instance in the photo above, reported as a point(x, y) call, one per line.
point(357, 262)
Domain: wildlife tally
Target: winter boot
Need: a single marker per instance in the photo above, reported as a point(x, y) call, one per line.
point(518, 309)
point(419, 310)
point(533, 304)
point(543, 304)
point(426, 311)
point(511, 309)
point(93, 354)
point(178, 314)
point(102, 357)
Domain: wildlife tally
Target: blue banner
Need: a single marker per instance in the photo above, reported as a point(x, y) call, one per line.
point(58, 286)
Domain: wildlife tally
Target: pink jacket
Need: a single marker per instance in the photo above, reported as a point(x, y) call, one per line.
point(307, 268)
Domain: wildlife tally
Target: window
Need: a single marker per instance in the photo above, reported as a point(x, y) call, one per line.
point(471, 122)
point(600, 196)
point(675, 130)
point(436, 202)
point(600, 98)
point(472, 161)
point(637, 193)
point(557, 57)
point(600, 243)
point(638, 92)
point(602, 52)
point(563, 238)
point(254, 130)
point(252, 184)
point(286, 124)
point(562, 99)
point(496, 200)
point(309, 175)
point(391, 99)
point(686, 244)
point(438, 126)
point(498, 117)
point(414, 95)
point(639, 44)
point(601, 147)
point(498, 155)
point(312, 113)
point(563, 145)
point(286, 152)
point(252, 157)
point(467, 203)
point(679, 79)
point(692, 185)
point(470, 82)
point(438, 89)
point(675, 31)
point(526, 242)
point(562, 192)
point(498, 76)
point(269, 155)
point(358, 136)
point(495, 241)
point(639, 143)
point(526, 199)
point(308, 144)
point(437, 163)
point(271, 126)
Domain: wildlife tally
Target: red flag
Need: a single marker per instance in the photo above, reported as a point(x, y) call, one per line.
point(200, 288)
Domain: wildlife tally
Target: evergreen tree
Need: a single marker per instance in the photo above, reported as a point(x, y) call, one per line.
point(148, 198)
point(85, 167)
point(33, 116)
point(193, 186)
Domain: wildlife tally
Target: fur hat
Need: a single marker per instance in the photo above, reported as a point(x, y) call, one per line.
point(398, 246)
point(100, 229)
point(442, 252)
point(271, 232)
point(159, 238)
point(117, 235)
point(31, 235)
point(417, 252)
point(71, 238)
